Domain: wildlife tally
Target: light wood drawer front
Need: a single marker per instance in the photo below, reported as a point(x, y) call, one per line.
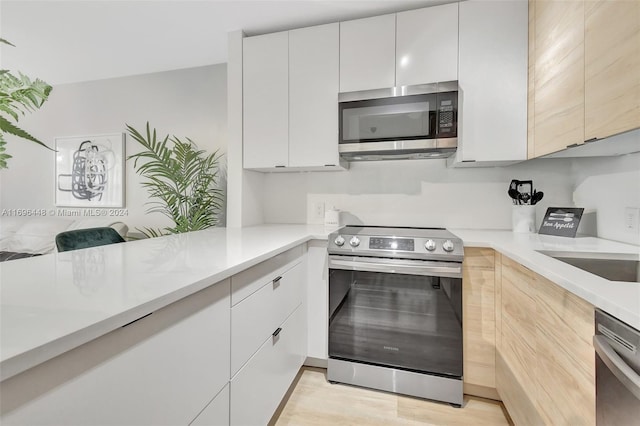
point(566, 362)
point(247, 282)
point(520, 404)
point(479, 317)
point(216, 413)
point(258, 388)
point(259, 315)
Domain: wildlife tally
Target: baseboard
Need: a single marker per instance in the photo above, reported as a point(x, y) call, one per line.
point(315, 362)
point(481, 391)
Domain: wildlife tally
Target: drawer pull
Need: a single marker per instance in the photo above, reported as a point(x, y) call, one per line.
point(276, 281)
point(275, 333)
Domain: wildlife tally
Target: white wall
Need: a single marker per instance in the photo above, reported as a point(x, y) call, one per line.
point(415, 193)
point(427, 193)
point(609, 185)
point(186, 103)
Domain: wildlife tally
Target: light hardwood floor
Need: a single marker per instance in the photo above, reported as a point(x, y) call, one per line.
point(314, 401)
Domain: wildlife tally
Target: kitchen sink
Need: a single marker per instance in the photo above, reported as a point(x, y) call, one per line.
point(611, 266)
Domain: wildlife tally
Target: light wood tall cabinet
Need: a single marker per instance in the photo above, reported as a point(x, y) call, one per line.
point(545, 364)
point(612, 67)
point(558, 75)
point(478, 299)
point(585, 80)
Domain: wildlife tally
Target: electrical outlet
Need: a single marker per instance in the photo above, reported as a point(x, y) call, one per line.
point(317, 211)
point(631, 218)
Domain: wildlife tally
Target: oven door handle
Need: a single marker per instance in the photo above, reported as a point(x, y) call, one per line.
point(391, 266)
point(625, 374)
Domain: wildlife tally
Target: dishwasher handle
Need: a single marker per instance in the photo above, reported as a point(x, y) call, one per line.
point(629, 378)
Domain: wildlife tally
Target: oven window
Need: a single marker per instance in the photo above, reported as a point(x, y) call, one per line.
point(401, 321)
point(375, 120)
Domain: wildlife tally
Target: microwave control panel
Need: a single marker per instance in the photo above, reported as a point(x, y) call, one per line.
point(447, 113)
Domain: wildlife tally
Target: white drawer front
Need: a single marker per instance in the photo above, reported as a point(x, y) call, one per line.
point(256, 391)
point(256, 317)
point(217, 412)
point(247, 282)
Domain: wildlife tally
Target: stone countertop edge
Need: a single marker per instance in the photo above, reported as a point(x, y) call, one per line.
point(35, 355)
point(619, 299)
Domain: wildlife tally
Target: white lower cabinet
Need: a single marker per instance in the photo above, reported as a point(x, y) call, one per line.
point(217, 412)
point(257, 316)
point(258, 388)
point(317, 303)
point(160, 370)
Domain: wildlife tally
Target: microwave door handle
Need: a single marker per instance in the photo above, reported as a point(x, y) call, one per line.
point(396, 268)
point(625, 374)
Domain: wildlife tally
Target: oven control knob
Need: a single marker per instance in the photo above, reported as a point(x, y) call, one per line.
point(447, 246)
point(354, 241)
point(339, 241)
point(430, 245)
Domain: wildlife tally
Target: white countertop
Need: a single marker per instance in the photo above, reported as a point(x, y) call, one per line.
point(618, 298)
point(53, 303)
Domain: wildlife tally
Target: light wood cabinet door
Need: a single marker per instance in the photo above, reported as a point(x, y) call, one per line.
point(427, 45)
point(313, 96)
point(478, 320)
point(612, 67)
point(559, 75)
point(266, 101)
point(566, 389)
point(368, 53)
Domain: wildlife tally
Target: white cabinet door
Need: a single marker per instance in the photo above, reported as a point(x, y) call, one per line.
point(367, 53)
point(492, 121)
point(258, 388)
point(266, 100)
point(313, 96)
point(317, 300)
point(427, 45)
point(160, 370)
point(216, 413)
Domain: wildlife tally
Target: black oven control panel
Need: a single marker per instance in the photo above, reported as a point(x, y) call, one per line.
point(404, 244)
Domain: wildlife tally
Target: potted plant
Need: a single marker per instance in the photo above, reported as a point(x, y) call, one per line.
point(181, 179)
point(18, 95)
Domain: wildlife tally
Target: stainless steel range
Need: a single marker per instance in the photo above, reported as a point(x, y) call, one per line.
point(395, 310)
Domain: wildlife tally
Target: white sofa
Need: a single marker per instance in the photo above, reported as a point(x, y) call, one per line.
point(24, 237)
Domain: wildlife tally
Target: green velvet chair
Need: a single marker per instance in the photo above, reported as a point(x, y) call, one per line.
point(84, 238)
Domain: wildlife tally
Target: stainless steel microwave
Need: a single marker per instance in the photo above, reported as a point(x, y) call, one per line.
point(406, 122)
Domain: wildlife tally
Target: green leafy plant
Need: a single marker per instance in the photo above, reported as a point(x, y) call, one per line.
point(181, 179)
point(18, 95)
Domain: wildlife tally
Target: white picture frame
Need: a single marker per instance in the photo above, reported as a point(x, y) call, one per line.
point(89, 171)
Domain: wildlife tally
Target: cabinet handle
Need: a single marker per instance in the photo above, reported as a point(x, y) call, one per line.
point(276, 281)
point(136, 320)
point(329, 165)
point(572, 145)
point(591, 140)
point(277, 167)
point(275, 333)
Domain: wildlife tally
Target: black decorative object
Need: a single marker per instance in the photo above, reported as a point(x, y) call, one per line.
point(561, 221)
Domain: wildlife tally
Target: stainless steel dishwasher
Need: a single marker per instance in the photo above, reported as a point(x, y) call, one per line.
point(617, 372)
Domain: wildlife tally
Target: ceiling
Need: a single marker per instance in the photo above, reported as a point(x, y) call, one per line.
point(80, 40)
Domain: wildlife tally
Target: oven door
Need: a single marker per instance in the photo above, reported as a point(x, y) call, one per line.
point(404, 314)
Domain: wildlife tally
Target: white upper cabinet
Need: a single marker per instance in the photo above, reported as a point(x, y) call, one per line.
point(427, 45)
point(367, 53)
point(266, 101)
point(492, 120)
point(313, 96)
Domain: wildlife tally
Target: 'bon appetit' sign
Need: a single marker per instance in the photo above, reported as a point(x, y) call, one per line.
point(561, 221)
